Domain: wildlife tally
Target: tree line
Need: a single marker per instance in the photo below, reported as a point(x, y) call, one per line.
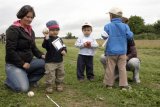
point(142, 30)
point(139, 28)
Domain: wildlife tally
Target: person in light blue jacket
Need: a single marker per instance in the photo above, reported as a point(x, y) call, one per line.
point(116, 49)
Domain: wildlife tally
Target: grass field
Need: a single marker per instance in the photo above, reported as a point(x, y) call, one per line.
point(93, 94)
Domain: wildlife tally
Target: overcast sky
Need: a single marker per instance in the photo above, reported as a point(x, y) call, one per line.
point(71, 14)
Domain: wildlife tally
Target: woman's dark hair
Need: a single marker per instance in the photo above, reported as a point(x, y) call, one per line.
point(24, 11)
point(125, 20)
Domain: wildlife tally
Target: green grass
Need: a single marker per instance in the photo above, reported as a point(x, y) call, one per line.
point(91, 94)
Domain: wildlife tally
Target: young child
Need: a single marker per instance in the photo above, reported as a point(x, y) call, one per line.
point(116, 49)
point(87, 45)
point(54, 57)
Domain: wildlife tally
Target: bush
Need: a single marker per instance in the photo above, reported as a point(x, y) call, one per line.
point(147, 36)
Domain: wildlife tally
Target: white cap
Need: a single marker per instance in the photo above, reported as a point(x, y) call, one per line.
point(87, 24)
point(116, 11)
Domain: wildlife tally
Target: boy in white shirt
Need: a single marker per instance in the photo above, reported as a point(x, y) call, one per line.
point(87, 45)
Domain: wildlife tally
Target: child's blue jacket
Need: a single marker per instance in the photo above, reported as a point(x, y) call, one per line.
point(118, 34)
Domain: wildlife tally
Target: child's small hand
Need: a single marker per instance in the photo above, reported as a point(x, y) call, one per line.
point(88, 44)
point(85, 44)
point(63, 52)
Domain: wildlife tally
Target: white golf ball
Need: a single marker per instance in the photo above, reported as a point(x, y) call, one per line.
point(45, 31)
point(30, 93)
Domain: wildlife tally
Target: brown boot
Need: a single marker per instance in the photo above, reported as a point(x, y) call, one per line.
point(59, 88)
point(49, 89)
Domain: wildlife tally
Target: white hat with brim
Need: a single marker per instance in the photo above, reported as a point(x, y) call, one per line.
point(116, 11)
point(87, 24)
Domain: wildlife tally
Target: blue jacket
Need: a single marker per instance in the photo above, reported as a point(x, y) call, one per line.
point(118, 34)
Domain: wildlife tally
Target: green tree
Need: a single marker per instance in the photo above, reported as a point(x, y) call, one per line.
point(149, 28)
point(136, 24)
point(69, 36)
point(157, 27)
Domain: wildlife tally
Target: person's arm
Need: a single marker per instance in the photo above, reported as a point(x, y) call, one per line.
point(94, 44)
point(129, 33)
point(11, 47)
point(63, 50)
point(79, 43)
point(104, 35)
point(46, 43)
point(131, 52)
point(35, 50)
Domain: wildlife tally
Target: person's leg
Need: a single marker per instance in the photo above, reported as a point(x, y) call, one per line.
point(60, 73)
point(50, 76)
point(89, 67)
point(122, 70)
point(103, 61)
point(36, 70)
point(109, 74)
point(80, 67)
point(16, 79)
point(134, 65)
point(116, 71)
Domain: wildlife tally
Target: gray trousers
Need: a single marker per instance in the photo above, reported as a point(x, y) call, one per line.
point(54, 73)
point(132, 65)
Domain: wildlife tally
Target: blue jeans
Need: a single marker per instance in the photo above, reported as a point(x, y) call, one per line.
point(19, 79)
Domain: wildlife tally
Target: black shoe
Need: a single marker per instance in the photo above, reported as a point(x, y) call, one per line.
point(34, 84)
point(91, 79)
point(81, 80)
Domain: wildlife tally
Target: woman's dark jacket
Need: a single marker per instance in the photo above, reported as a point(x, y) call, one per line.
point(20, 46)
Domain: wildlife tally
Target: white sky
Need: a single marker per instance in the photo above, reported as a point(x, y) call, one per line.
point(71, 14)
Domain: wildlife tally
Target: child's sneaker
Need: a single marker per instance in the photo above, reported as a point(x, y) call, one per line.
point(125, 88)
point(49, 90)
point(109, 87)
point(34, 84)
point(81, 80)
point(59, 88)
point(91, 79)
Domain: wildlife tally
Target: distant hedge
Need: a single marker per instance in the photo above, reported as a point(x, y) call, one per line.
point(147, 36)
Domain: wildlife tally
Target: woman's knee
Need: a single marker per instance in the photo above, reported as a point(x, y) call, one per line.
point(17, 86)
point(134, 63)
point(23, 88)
point(38, 63)
point(42, 62)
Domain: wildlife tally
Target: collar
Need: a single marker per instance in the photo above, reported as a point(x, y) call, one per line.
point(28, 29)
point(117, 20)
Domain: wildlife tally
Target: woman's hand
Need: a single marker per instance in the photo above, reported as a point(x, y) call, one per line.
point(26, 65)
point(43, 56)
